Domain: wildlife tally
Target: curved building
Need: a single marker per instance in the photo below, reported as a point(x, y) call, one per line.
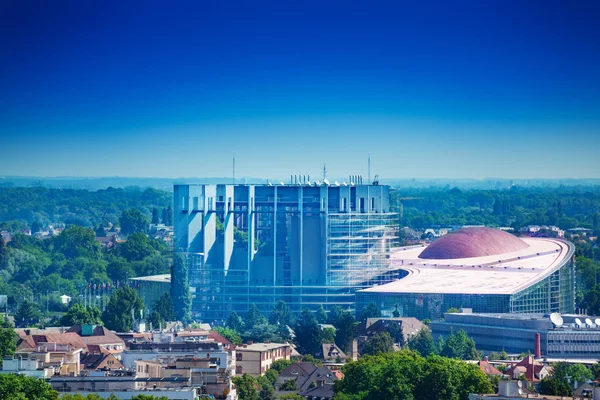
point(485, 269)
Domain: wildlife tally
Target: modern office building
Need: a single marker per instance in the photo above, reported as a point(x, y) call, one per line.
point(550, 335)
point(304, 243)
point(487, 270)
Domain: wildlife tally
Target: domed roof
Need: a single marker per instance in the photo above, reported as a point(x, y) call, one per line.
point(472, 242)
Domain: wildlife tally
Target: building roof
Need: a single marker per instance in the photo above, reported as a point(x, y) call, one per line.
point(100, 336)
point(164, 278)
point(506, 273)
point(331, 352)
point(92, 361)
point(473, 242)
point(260, 346)
point(68, 338)
point(488, 368)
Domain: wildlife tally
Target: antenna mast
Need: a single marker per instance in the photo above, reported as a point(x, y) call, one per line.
point(324, 171)
point(369, 170)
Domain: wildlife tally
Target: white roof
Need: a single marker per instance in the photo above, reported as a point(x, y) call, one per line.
point(153, 278)
point(507, 273)
point(260, 346)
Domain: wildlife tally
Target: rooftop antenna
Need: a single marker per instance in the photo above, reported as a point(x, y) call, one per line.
point(234, 167)
point(324, 171)
point(369, 169)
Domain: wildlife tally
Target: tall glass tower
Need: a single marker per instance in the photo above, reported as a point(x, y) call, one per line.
point(304, 243)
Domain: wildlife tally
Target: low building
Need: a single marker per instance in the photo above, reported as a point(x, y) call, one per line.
point(569, 336)
point(529, 369)
point(62, 358)
point(332, 353)
point(31, 367)
point(151, 288)
point(256, 358)
point(140, 351)
point(97, 335)
point(310, 381)
point(408, 325)
point(99, 361)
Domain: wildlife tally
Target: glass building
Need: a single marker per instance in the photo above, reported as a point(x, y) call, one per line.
point(482, 270)
point(304, 243)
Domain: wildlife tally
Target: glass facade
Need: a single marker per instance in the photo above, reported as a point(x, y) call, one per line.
point(306, 245)
point(555, 293)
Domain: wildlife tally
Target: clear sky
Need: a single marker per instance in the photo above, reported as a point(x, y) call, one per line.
point(448, 89)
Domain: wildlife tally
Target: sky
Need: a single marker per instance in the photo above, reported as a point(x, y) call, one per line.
point(448, 89)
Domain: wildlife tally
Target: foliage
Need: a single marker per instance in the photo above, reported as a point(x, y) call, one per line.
point(267, 392)
point(180, 288)
point(254, 317)
point(137, 247)
point(407, 375)
point(132, 221)
point(321, 314)
point(78, 314)
point(282, 314)
point(370, 311)
point(288, 386)
point(308, 333)
point(395, 331)
point(246, 387)
point(459, 345)
point(291, 396)
point(280, 365)
point(422, 342)
point(148, 397)
point(234, 321)
point(8, 341)
point(381, 342)
point(79, 396)
point(123, 306)
point(21, 387)
point(564, 375)
point(164, 307)
point(229, 334)
point(328, 335)
point(345, 325)
point(272, 375)
point(27, 314)
point(311, 359)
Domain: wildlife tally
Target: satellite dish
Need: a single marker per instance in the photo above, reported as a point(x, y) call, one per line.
point(325, 181)
point(556, 319)
point(336, 183)
point(597, 321)
point(578, 322)
point(520, 391)
point(589, 322)
point(345, 183)
point(282, 184)
point(520, 384)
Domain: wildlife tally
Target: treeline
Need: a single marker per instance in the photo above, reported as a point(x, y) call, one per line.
point(566, 207)
point(22, 207)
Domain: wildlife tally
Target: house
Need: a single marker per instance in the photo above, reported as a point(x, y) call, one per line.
point(332, 353)
point(99, 336)
point(488, 368)
point(62, 358)
point(530, 368)
point(256, 358)
point(98, 361)
point(311, 382)
point(408, 325)
point(28, 342)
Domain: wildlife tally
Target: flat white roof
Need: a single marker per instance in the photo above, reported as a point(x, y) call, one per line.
point(260, 346)
point(153, 278)
point(507, 273)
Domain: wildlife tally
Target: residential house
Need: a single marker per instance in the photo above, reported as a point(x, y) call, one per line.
point(532, 369)
point(99, 361)
point(332, 353)
point(488, 368)
point(99, 336)
point(311, 382)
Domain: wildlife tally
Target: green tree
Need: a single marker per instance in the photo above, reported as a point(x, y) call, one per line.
point(20, 387)
point(136, 248)
point(321, 314)
point(334, 315)
point(422, 342)
point(246, 387)
point(254, 317)
point(180, 288)
point(132, 221)
point(8, 342)
point(123, 306)
point(280, 365)
point(281, 314)
point(155, 216)
point(78, 314)
point(291, 396)
point(396, 312)
point(370, 311)
point(27, 314)
point(459, 345)
point(167, 216)
point(308, 333)
point(234, 321)
point(344, 330)
point(267, 393)
point(156, 320)
point(164, 307)
point(379, 343)
point(288, 386)
point(77, 241)
point(328, 335)
point(229, 334)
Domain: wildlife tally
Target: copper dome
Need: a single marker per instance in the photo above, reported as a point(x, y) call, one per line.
point(472, 242)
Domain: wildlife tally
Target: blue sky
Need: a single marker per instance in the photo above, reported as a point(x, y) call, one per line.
point(461, 89)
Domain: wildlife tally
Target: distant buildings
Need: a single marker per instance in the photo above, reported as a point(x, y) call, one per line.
point(256, 358)
point(306, 243)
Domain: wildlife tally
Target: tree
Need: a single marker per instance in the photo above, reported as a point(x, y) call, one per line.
point(167, 216)
point(78, 314)
point(132, 221)
point(180, 288)
point(564, 375)
point(267, 392)
point(370, 311)
point(27, 314)
point(234, 321)
point(155, 216)
point(459, 345)
point(321, 314)
point(396, 312)
point(280, 365)
point(281, 314)
point(124, 305)
point(308, 333)
point(164, 307)
point(136, 248)
point(379, 343)
point(254, 317)
point(334, 315)
point(77, 241)
point(229, 334)
point(328, 335)
point(156, 320)
point(395, 331)
point(20, 387)
point(422, 342)
point(8, 342)
point(344, 330)
point(246, 387)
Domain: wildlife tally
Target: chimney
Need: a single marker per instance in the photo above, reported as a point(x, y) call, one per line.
point(538, 346)
point(250, 342)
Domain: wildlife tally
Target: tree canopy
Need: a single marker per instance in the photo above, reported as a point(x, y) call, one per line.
point(124, 305)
